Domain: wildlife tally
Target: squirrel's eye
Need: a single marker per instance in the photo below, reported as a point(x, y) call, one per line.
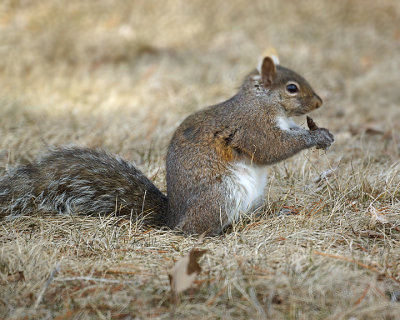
point(292, 88)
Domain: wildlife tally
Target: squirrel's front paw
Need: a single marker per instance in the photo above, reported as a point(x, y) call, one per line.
point(323, 137)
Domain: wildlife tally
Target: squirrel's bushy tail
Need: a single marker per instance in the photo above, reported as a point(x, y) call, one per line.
point(81, 181)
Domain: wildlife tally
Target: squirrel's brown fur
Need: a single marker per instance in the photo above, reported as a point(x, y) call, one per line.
point(215, 163)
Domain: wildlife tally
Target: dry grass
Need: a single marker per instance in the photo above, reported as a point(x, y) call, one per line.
point(122, 75)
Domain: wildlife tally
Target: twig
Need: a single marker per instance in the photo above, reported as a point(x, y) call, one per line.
point(219, 293)
point(95, 279)
point(46, 285)
point(363, 295)
point(315, 209)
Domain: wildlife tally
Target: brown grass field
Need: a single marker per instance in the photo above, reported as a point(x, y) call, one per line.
point(121, 75)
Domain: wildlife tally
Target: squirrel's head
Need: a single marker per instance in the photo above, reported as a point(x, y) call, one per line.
point(295, 94)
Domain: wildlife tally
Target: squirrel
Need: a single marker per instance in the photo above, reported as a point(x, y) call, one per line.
point(216, 162)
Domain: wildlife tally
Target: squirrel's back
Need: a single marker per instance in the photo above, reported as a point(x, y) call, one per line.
point(81, 180)
point(216, 162)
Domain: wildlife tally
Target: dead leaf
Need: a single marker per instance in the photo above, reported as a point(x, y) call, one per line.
point(367, 62)
point(17, 276)
point(374, 131)
point(277, 299)
point(371, 234)
point(324, 175)
point(185, 270)
point(395, 296)
point(377, 215)
point(287, 210)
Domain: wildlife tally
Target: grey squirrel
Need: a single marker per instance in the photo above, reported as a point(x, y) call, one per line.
point(216, 162)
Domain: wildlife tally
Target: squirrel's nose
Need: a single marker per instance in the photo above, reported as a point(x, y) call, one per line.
point(318, 101)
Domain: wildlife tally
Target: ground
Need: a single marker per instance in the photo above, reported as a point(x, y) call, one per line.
point(122, 75)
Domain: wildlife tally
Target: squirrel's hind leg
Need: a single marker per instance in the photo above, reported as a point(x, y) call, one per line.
point(203, 217)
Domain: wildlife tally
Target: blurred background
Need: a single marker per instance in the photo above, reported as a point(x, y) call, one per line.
point(123, 74)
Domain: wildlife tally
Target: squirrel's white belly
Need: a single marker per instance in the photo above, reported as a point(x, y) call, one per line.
point(246, 185)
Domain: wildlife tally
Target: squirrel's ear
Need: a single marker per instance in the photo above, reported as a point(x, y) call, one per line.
point(268, 70)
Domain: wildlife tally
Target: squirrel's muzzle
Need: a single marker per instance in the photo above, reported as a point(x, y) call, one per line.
point(317, 101)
